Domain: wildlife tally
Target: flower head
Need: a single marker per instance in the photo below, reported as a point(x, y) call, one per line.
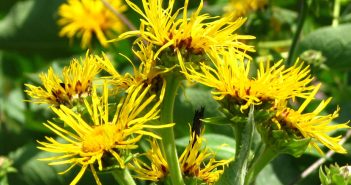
point(242, 7)
point(85, 18)
point(230, 76)
point(311, 125)
point(197, 161)
point(200, 162)
point(158, 167)
point(76, 83)
point(197, 34)
point(146, 73)
point(278, 82)
point(88, 141)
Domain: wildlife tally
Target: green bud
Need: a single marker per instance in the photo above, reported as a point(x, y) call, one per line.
point(167, 59)
point(335, 175)
point(231, 108)
point(281, 140)
point(5, 168)
point(314, 57)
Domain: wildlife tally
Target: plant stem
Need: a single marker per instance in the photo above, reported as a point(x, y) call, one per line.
point(336, 13)
point(123, 18)
point(167, 134)
point(301, 20)
point(274, 44)
point(123, 177)
point(236, 172)
point(264, 157)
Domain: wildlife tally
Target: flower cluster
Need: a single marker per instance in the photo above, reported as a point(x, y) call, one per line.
point(192, 160)
point(271, 88)
point(102, 119)
point(90, 140)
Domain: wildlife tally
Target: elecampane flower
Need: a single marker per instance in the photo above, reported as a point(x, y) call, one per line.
point(156, 170)
point(88, 18)
point(197, 34)
point(279, 82)
point(145, 73)
point(200, 162)
point(197, 161)
point(242, 7)
point(87, 141)
point(229, 75)
point(311, 125)
point(76, 83)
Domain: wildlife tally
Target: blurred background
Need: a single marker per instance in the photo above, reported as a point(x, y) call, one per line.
point(30, 44)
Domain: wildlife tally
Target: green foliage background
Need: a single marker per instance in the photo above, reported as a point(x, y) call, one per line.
point(29, 44)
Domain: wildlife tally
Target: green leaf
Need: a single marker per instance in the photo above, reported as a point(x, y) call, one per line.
point(288, 169)
point(285, 143)
point(346, 18)
point(322, 176)
point(223, 146)
point(284, 15)
point(5, 6)
point(333, 42)
point(31, 171)
point(30, 26)
point(268, 176)
point(188, 100)
point(14, 105)
point(219, 120)
point(15, 18)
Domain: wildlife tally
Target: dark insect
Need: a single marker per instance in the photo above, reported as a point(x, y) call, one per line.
point(197, 123)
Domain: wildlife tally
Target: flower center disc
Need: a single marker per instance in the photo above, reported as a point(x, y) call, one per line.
point(102, 138)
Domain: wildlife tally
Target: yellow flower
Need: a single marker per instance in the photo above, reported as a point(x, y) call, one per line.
point(278, 82)
point(85, 18)
point(88, 141)
point(242, 7)
point(230, 76)
point(158, 168)
point(197, 161)
point(147, 72)
point(197, 34)
point(200, 162)
point(76, 83)
point(311, 125)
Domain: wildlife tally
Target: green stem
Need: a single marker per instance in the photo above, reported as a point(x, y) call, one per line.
point(301, 20)
point(257, 154)
point(123, 177)
point(123, 18)
point(336, 13)
point(236, 172)
point(274, 44)
point(167, 134)
point(264, 157)
point(191, 181)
